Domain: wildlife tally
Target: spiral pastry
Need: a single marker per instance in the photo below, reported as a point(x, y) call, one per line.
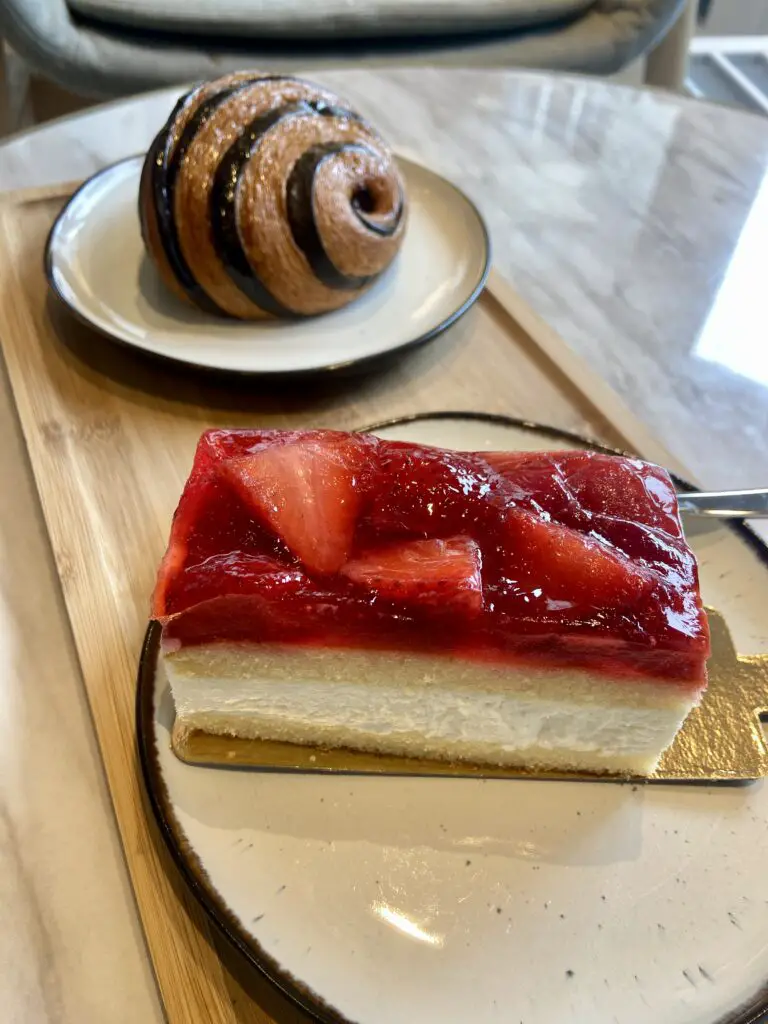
point(264, 195)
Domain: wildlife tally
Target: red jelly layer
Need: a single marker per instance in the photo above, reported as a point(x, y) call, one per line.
point(329, 539)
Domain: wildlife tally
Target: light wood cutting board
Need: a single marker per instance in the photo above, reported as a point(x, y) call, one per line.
point(111, 436)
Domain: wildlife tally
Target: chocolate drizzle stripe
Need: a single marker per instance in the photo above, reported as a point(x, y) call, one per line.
point(165, 171)
point(223, 209)
point(167, 229)
point(301, 215)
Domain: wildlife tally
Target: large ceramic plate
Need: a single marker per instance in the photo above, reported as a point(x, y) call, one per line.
point(386, 900)
point(96, 264)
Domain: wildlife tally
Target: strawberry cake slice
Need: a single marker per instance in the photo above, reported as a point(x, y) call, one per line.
point(341, 590)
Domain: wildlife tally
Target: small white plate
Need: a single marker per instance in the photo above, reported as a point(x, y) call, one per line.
point(391, 900)
point(96, 263)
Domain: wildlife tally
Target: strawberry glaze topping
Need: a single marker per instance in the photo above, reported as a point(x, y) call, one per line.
point(324, 538)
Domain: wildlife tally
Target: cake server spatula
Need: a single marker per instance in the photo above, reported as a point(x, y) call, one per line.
point(726, 504)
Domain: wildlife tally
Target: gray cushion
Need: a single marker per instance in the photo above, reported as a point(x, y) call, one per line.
point(99, 62)
point(328, 18)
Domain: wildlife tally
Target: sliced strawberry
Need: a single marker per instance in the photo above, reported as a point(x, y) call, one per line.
point(566, 565)
point(442, 572)
point(221, 445)
point(430, 492)
point(308, 489)
point(538, 475)
point(230, 574)
point(582, 487)
point(625, 488)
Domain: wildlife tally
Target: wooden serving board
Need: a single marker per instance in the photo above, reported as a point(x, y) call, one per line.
point(111, 436)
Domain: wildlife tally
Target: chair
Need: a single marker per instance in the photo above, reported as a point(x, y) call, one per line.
point(106, 48)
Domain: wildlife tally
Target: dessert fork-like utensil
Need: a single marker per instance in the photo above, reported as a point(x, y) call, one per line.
point(752, 504)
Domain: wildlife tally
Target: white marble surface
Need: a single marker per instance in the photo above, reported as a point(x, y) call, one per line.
point(71, 946)
point(635, 223)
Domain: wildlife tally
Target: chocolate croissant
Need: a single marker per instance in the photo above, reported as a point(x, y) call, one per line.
point(264, 195)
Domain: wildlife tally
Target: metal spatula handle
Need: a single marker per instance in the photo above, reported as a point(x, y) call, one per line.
point(726, 504)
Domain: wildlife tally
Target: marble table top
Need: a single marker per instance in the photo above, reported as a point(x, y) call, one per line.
point(634, 222)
